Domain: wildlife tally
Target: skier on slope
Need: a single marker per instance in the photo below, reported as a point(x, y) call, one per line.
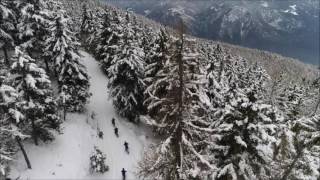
point(126, 146)
point(116, 132)
point(123, 174)
point(113, 121)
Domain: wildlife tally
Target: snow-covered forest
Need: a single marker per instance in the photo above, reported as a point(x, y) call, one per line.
point(91, 91)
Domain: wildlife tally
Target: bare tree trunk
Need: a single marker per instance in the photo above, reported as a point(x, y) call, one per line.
point(34, 132)
point(6, 57)
point(23, 151)
point(64, 113)
point(30, 116)
point(47, 65)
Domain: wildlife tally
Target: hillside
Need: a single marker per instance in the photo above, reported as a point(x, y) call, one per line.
point(89, 91)
point(296, 69)
point(68, 156)
point(286, 27)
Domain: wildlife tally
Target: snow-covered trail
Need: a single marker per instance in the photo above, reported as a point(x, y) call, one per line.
point(68, 156)
point(100, 104)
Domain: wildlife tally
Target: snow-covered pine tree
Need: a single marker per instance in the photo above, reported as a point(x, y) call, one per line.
point(87, 24)
point(290, 101)
point(297, 149)
point(147, 43)
point(38, 104)
point(10, 133)
point(126, 73)
point(178, 95)
point(63, 53)
point(245, 126)
point(32, 27)
point(7, 96)
point(94, 37)
point(111, 37)
point(157, 56)
point(6, 27)
point(98, 161)
point(305, 161)
point(216, 69)
point(105, 37)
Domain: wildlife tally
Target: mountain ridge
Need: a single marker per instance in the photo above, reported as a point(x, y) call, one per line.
point(286, 27)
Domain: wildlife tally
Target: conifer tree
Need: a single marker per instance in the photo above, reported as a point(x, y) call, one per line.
point(63, 54)
point(157, 56)
point(304, 162)
point(126, 75)
point(87, 24)
point(32, 27)
point(38, 105)
point(105, 36)
point(94, 38)
point(178, 93)
point(245, 125)
point(6, 27)
point(111, 38)
point(10, 131)
point(297, 148)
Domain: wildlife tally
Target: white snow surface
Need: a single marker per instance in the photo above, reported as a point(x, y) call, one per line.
point(67, 157)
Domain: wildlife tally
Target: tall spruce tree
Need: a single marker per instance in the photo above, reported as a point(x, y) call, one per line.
point(87, 24)
point(111, 38)
point(10, 127)
point(33, 23)
point(157, 56)
point(7, 17)
point(245, 125)
point(94, 38)
point(297, 149)
point(126, 73)
point(38, 106)
point(62, 51)
point(177, 94)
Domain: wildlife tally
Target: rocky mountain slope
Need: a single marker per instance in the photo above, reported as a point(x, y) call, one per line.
point(290, 28)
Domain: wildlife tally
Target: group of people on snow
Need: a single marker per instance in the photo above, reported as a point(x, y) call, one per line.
point(116, 132)
point(126, 145)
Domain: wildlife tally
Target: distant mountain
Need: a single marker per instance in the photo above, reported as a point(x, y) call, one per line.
point(290, 28)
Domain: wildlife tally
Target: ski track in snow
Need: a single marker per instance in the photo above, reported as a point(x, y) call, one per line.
point(67, 157)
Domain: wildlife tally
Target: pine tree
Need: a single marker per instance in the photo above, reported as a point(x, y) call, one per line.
point(34, 20)
point(10, 118)
point(94, 38)
point(126, 75)
point(178, 95)
point(297, 149)
point(111, 37)
point(63, 54)
point(245, 125)
point(6, 27)
point(38, 106)
point(87, 25)
point(105, 36)
point(157, 56)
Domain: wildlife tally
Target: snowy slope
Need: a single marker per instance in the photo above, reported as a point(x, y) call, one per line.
point(68, 156)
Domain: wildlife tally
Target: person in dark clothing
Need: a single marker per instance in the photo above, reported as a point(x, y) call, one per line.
point(116, 132)
point(100, 134)
point(123, 174)
point(113, 121)
point(126, 146)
